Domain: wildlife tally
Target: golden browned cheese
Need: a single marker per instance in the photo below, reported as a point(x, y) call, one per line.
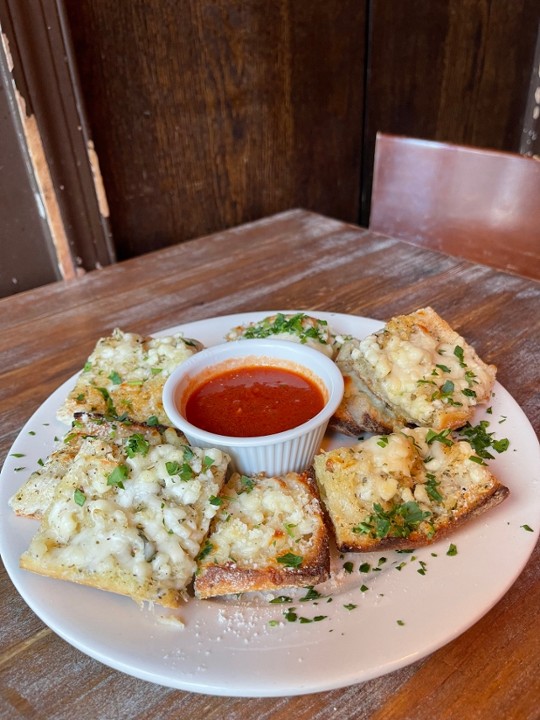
point(268, 534)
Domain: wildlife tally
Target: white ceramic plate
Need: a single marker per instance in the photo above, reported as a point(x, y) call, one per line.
point(372, 622)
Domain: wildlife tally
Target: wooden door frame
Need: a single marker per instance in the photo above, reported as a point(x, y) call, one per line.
point(45, 87)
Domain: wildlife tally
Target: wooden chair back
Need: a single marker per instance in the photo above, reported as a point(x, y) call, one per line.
point(482, 205)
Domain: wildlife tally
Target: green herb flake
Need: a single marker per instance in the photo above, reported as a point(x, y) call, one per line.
point(400, 622)
point(79, 497)
point(289, 529)
point(311, 594)
point(364, 588)
point(273, 623)
point(350, 606)
point(290, 560)
point(383, 441)
point(117, 477)
point(398, 521)
point(205, 550)
point(458, 352)
point(136, 444)
point(217, 501)
point(348, 567)
point(442, 437)
point(432, 488)
point(444, 368)
point(281, 599)
point(17, 455)
point(152, 421)
point(247, 483)
point(115, 378)
point(364, 567)
point(290, 615)
point(528, 528)
point(111, 410)
point(452, 550)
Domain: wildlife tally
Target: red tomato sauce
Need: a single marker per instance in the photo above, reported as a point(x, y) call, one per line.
point(253, 401)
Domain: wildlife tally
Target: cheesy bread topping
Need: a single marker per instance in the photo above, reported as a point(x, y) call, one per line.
point(125, 374)
point(130, 522)
point(420, 366)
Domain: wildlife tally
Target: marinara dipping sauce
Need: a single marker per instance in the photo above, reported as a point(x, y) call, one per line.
point(252, 401)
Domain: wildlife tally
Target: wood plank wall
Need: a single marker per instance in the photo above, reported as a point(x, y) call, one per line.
point(210, 113)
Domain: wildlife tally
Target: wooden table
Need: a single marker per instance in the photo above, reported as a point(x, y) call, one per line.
point(293, 260)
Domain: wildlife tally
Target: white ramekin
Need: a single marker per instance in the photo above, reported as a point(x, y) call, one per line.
point(289, 451)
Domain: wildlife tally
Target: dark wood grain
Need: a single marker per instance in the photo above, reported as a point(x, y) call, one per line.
point(209, 114)
point(308, 262)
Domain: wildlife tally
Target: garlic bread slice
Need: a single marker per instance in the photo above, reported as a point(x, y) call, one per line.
point(268, 534)
point(403, 490)
point(130, 523)
point(124, 377)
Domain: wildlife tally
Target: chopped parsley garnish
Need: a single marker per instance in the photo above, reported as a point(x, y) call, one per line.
point(207, 462)
point(400, 622)
point(293, 325)
point(184, 471)
point(452, 550)
point(79, 497)
point(458, 352)
point(444, 368)
point(348, 567)
point(111, 410)
point(480, 440)
point(350, 606)
point(442, 437)
point(115, 378)
point(281, 599)
point(290, 560)
point(383, 441)
point(217, 501)
point(205, 550)
point(247, 483)
point(118, 475)
point(311, 594)
point(364, 568)
point(136, 444)
point(152, 421)
point(398, 521)
point(364, 588)
point(528, 528)
point(431, 488)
